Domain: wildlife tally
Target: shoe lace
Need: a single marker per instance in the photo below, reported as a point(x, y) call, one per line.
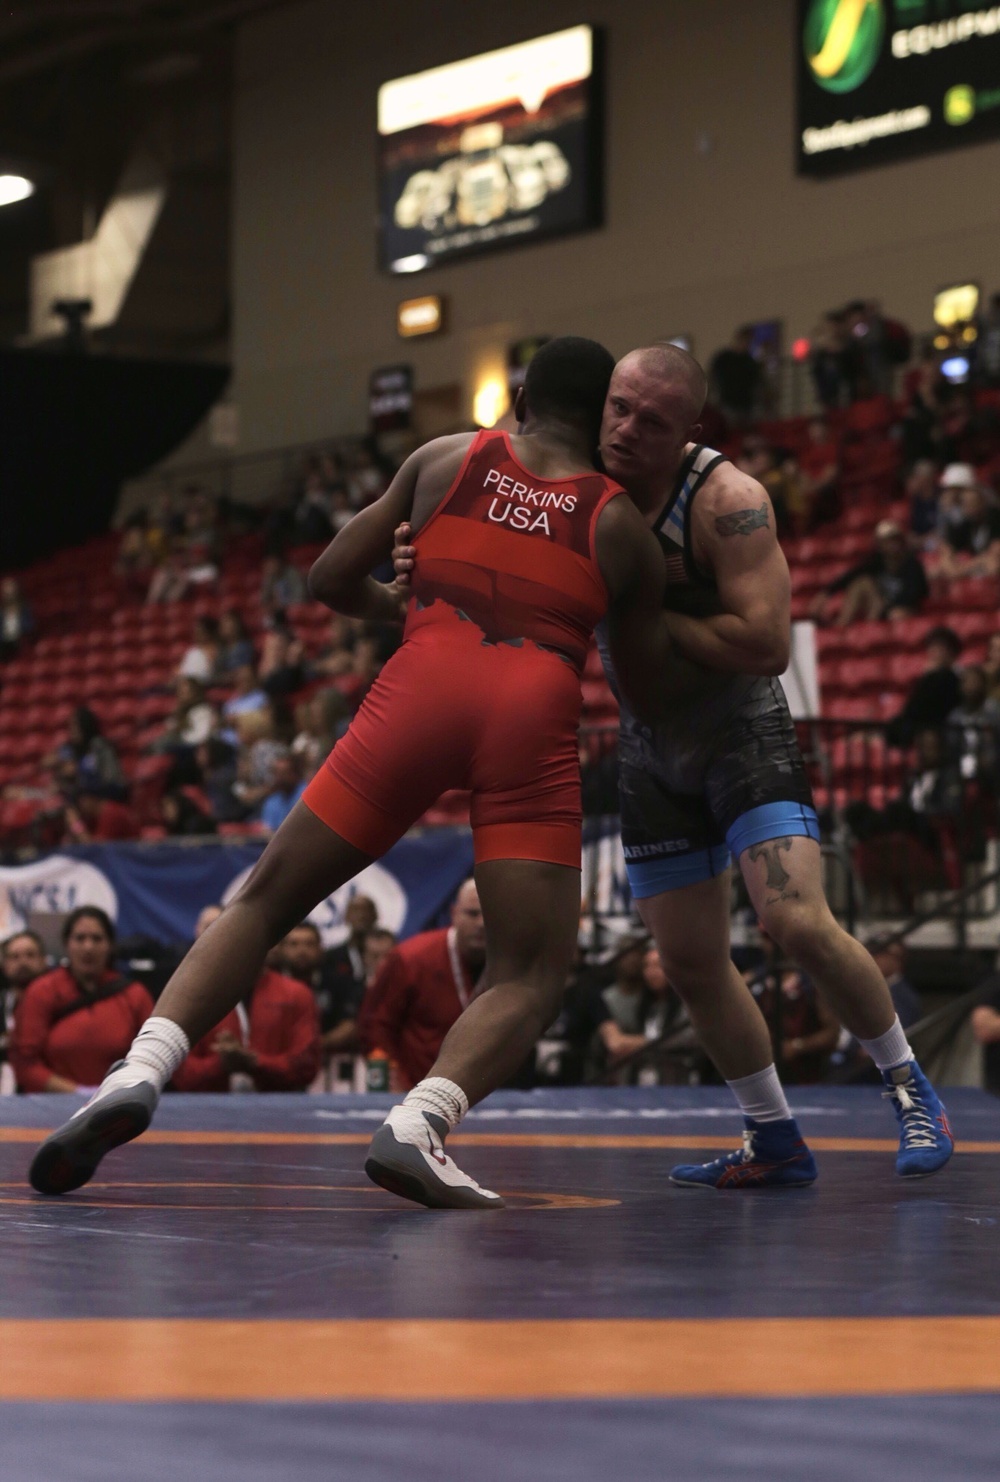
point(748, 1146)
point(918, 1125)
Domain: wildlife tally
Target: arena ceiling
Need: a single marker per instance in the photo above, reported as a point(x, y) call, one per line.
point(82, 84)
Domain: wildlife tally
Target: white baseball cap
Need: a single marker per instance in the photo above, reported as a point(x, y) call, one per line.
point(959, 476)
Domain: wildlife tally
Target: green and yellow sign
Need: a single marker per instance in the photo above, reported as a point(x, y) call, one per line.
point(842, 41)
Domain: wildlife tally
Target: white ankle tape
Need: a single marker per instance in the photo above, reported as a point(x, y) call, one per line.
point(160, 1045)
point(444, 1097)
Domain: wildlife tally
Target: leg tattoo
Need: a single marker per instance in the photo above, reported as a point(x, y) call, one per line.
point(778, 877)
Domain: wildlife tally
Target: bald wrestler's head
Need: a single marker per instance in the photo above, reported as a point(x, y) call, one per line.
point(655, 399)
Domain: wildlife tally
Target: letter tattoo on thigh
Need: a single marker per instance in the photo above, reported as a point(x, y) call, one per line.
point(778, 878)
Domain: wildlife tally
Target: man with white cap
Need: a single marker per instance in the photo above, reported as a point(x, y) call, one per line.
point(890, 583)
point(971, 531)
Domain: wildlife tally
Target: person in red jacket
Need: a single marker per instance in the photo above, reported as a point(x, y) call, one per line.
point(269, 1042)
point(72, 1024)
point(422, 988)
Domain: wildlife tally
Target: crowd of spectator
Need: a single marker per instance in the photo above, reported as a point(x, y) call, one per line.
point(318, 1018)
point(250, 712)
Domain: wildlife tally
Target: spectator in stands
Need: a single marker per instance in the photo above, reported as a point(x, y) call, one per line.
point(819, 463)
point(378, 944)
point(285, 791)
point(936, 692)
point(987, 367)
point(236, 650)
point(991, 668)
point(890, 957)
point(170, 579)
point(736, 379)
point(881, 344)
point(922, 496)
point(201, 659)
point(338, 995)
point(365, 481)
point(259, 747)
point(887, 585)
point(270, 1041)
point(135, 554)
point(73, 1023)
point(90, 817)
point(200, 539)
point(311, 523)
point(347, 961)
point(971, 545)
point(22, 960)
point(16, 620)
point(803, 1029)
point(974, 726)
point(422, 988)
point(191, 722)
point(829, 358)
point(247, 695)
point(321, 720)
point(336, 656)
point(216, 763)
point(282, 584)
point(985, 1022)
point(87, 758)
point(282, 663)
point(187, 812)
point(922, 394)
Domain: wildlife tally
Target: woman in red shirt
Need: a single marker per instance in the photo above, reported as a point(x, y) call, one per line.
point(72, 1024)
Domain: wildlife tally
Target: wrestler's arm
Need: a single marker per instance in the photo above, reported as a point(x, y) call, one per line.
point(632, 566)
point(734, 537)
point(340, 577)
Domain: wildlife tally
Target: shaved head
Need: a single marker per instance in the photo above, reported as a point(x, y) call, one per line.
point(673, 367)
point(651, 415)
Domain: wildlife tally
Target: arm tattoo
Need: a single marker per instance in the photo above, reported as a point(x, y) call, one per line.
point(778, 878)
point(742, 521)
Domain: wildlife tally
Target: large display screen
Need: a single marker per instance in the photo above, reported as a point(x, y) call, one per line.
point(880, 80)
point(500, 148)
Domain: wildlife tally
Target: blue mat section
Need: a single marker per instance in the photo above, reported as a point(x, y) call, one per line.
point(952, 1439)
point(850, 1111)
point(297, 1231)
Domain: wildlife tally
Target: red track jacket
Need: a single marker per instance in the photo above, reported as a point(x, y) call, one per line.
point(80, 1047)
point(283, 1031)
point(413, 1002)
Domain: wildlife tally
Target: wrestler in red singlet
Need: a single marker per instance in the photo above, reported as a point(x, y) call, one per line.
point(484, 693)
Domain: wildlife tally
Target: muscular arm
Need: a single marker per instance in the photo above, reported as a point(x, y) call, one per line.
point(633, 571)
point(734, 538)
point(340, 577)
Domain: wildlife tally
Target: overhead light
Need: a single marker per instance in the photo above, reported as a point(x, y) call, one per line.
point(490, 401)
point(15, 188)
point(412, 264)
point(420, 316)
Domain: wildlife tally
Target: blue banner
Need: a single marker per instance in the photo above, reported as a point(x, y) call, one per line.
point(158, 889)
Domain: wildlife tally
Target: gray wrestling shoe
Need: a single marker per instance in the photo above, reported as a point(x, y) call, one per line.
point(69, 1158)
point(407, 1157)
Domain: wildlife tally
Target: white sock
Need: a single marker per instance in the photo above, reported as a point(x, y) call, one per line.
point(158, 1050)
point(440, 1096)
point(889, 1049)
point(760, 1096)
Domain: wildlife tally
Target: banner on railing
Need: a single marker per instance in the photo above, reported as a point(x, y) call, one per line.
point(157, 890)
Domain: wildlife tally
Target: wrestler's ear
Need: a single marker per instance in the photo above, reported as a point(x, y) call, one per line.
point(520, 406)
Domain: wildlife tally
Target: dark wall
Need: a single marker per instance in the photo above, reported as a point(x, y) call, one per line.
point(72, 427)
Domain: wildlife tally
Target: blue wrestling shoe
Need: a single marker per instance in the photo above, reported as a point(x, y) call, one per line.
point(773, 1156)
point(925, 1140)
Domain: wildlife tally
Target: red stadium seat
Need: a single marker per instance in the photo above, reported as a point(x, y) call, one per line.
point(904, 668)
